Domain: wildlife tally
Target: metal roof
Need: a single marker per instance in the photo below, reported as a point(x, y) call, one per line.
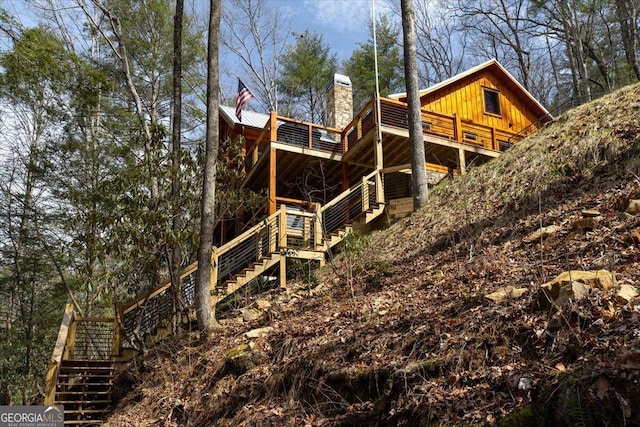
point(249, 118)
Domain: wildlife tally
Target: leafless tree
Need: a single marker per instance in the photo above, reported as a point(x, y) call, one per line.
point(256, 36)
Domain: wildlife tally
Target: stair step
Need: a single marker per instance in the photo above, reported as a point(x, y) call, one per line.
point(86, 362)
point(65, 367)
point(91, 384)
point(82, 402)
point(84, 423)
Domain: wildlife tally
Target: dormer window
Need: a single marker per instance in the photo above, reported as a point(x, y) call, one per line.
point(491, 101)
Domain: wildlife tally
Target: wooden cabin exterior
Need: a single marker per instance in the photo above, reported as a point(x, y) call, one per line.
point(467, 120)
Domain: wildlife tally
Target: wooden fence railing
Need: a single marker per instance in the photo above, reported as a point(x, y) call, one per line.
point(80, 338)
point(288, 228)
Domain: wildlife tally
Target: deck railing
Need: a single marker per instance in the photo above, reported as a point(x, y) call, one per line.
point(393, 114)
point(288, 228)
point(294, 133)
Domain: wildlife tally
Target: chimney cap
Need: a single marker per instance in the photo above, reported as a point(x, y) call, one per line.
point(341, 79)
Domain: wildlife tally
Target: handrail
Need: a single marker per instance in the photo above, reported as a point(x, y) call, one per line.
point(346, 192)
point(58, 355)
point(265, 238)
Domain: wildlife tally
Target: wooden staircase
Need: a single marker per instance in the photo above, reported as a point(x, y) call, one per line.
point(250, 273)
point(80, 373)
point(84, 388)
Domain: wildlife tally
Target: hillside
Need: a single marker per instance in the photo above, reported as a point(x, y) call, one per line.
point(398, 330)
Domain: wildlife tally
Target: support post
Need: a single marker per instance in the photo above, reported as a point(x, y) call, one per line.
point(282, 227)
point(213, 283)
point(379, 188)
point(365, 194)
point(462, 161)
point(345, 176)
point(306, 231)
point(117, 333)
point(457, 127)
point(255, 154)
point(283, 271)
point(272, 180)
point(71, 339)
point(493, 139)
point(317, 227)
point(273, 126)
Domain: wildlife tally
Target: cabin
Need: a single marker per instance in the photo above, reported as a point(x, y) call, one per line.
point(467, 120)
point(321, 182)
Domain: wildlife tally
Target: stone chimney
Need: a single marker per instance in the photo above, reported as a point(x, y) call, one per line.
point(339, 102)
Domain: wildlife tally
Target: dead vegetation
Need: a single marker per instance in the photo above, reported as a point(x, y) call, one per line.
point(409, 338)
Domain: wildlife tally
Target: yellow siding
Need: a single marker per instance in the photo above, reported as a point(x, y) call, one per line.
point(465, 99)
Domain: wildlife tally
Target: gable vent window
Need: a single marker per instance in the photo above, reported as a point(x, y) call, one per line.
point(491, 101)
point(468, 136)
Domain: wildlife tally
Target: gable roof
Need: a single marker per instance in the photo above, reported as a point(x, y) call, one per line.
point(499, 70)
point(249, 118)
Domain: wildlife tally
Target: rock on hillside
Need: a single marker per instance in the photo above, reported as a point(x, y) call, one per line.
point(400, 330)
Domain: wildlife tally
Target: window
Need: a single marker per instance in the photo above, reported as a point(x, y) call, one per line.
point(426, 126)
point(491, 101)
point(468, 136)
point(504, 145)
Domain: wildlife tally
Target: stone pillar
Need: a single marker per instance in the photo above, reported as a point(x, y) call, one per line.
point(339, 102)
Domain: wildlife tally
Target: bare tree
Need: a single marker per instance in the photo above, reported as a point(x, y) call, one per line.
point(441, 49)
point(627, 14)
point(256, 35)
point(501, 30)
point(419, 180)
point(205, 313)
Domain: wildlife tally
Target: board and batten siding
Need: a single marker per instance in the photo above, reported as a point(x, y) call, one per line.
point(465, 99)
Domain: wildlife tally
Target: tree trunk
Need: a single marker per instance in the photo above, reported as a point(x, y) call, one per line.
point(205, 314)
point(627, 14)
point(419, 182)
point(176, 223)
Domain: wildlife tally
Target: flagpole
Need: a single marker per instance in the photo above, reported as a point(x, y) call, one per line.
point(375, 63)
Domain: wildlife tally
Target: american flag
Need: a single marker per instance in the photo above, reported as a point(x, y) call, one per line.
point(244, 95)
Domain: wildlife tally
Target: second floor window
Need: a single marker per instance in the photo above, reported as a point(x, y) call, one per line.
point(491, 101)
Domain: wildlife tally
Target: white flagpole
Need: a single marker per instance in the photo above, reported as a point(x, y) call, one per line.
point(375, 62)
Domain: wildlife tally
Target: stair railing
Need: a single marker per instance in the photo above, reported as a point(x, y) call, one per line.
point(64, 345)
point(352, 202)
point(284, 229)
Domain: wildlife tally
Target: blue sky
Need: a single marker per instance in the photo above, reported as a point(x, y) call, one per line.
point(342, 23)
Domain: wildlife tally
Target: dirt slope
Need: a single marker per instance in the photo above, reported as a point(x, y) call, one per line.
point(399, 331)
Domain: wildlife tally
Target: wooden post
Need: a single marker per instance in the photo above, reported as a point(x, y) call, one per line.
point(310, 145)
point(273, 233)
point(379, 188)
point(345, 176)
point(117, 333)
point(365, 194)
point(213, 282)
point(273, 126)
point(282, 226)
point(71, 339)
point(317, 226)
point(272, 180)
point(283, 271)
point(462, 162)
point(255, 153)
point(306, 231)
point(493, 139)
point(457, 128)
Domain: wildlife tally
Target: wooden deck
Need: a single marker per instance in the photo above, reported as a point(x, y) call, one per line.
point(287, 149)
